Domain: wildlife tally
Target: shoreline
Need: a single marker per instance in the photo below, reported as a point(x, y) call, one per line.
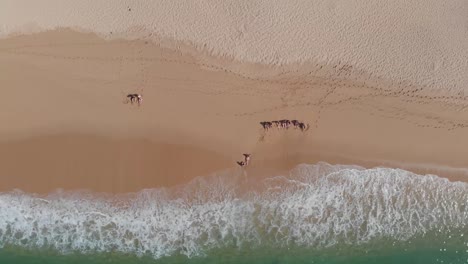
point(206, 110)
point(105, 165)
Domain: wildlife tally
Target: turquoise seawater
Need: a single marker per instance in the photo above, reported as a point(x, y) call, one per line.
point(423, 254)
point(317, 213)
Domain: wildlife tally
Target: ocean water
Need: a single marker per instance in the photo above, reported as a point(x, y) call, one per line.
point(316, 213)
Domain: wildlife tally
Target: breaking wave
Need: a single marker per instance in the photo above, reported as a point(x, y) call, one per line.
point(313, 206)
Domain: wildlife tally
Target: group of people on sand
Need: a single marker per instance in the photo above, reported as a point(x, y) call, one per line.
point(135, 98)
point(285, 124)
point(246, 160)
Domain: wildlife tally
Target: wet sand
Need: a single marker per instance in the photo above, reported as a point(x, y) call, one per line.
point(66, 123)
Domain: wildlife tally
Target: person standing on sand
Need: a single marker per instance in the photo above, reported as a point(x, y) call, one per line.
point(139, 99)
point(245, 162)
point(246, 159)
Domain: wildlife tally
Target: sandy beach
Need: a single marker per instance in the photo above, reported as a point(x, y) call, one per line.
point(373, 171)
point(67, 125)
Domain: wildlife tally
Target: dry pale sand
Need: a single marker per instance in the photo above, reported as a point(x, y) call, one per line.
point(65, 123)
point(424, 41)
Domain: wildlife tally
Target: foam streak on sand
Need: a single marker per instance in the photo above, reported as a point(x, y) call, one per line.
point(315, 206)
point(424, 41)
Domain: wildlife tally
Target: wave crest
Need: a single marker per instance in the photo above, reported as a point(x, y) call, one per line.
point(317, 205)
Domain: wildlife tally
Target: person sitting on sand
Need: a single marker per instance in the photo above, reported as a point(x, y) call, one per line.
point(285, 123)
point(246, 159)
point(303, 127)
point(135, 97)
point(276, 123)
point(266, 125)
point(131, 97)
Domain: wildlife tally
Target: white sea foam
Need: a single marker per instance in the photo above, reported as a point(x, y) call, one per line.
point(422, 41)
point(314, 206)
